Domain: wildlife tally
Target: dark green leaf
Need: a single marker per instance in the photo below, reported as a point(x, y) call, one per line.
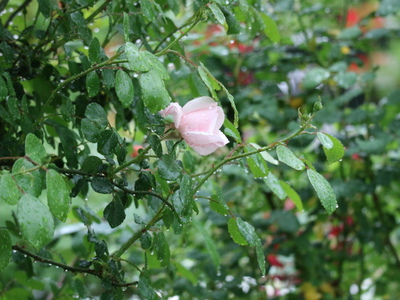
point(126, 27)
point(97, 114)
point(248, 232)
point(5, 249)
point(260, 257)
point(155, 144)
point(235, 234)
point(286, 156)
point(114, 213)
point(9, 191)
point(145, 288)
point(167, 167)
point(36, 221)
point(209, 242)
point(145, 240)
point(58, 192)
point(137, 61)
point(324, 190)
point(94, 51)
point(3, 89)
point(45, 7)
point(102, 185)
point(124, 88)
point(107, 142)
point(92, 83)
point(91, 164)
point(90, 130)
point(257, 164)
point(161, 248)
point(231, 131)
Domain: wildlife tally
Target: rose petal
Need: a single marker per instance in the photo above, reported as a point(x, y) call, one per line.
point(174, 110)
point(199, 103)
point(205, 143)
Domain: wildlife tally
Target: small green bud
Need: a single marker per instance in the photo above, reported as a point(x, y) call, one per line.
point(317, 106)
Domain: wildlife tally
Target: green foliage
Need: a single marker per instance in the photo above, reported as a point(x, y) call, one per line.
point(110, 202)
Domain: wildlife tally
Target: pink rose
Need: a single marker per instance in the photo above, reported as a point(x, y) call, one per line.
point(198, 122)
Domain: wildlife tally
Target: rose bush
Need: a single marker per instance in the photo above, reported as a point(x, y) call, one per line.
point(198, 122)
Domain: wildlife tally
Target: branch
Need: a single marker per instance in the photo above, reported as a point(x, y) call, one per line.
point(70, 268)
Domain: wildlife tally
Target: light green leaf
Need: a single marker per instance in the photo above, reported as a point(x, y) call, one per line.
point(260, 257)
point(257, 164)
point(155, 95)
point(270, 28)
point(248, 232)
point(274, 185)
point(209, 242)
point(92, 84)
point(127, 27)
point(9, 191)
point(235, 234)
point(137, 61)
point(231, 131)
point(388, 7)
point(315, 77)
point(34, 149)
point(336, 152)
point(28, 177)
point(292, 194)
point(183, 272)
point(124, 88)
point(325, 140)
point(36, 221)
point(267, 157)
point(219, 16)
point(324, 190)
point(286, 156)
point(58, 197)
point(5, 249)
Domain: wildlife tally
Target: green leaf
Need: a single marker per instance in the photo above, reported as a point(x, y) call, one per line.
point(90, 130)
point(267, 157)
point(108, 77)
point(183, 272)
point(315, 77)
point(168, 168)
point(3, 89)
point(218, 204)
point(155, 144)
point(350, 33)
point(114, 213)
point(5, 249)
point(270, 28)
point(209, 243)
point(219, 16)
point(256, 163)
point(145, 288)
point(91, 164)
point(260, 257)
point(248, 232)
point(9, 191)
point(58, 197)
point(233, 105)
point(235, 234)
point(325, 140)
point(102, 185)
point(145, 240)
point(124, 88)
point(388, 7)
point(36, 221)
point(182, 199)
point(28, 177)
point(107, 142)
point(155, 95)
point(92, 84)
point(286, 156)
point(94, 51)
point(45, 7)
point(126, 26)
point(137, 61)
point(231, 131)
point(34, 149)
point(162, 248)
point(95, 113)
point(292, 194)
point(274, 185)
point(345, 79)
point(324, 190)
point(336, 153)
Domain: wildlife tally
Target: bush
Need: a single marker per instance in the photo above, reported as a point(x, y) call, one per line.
point(105, 194)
